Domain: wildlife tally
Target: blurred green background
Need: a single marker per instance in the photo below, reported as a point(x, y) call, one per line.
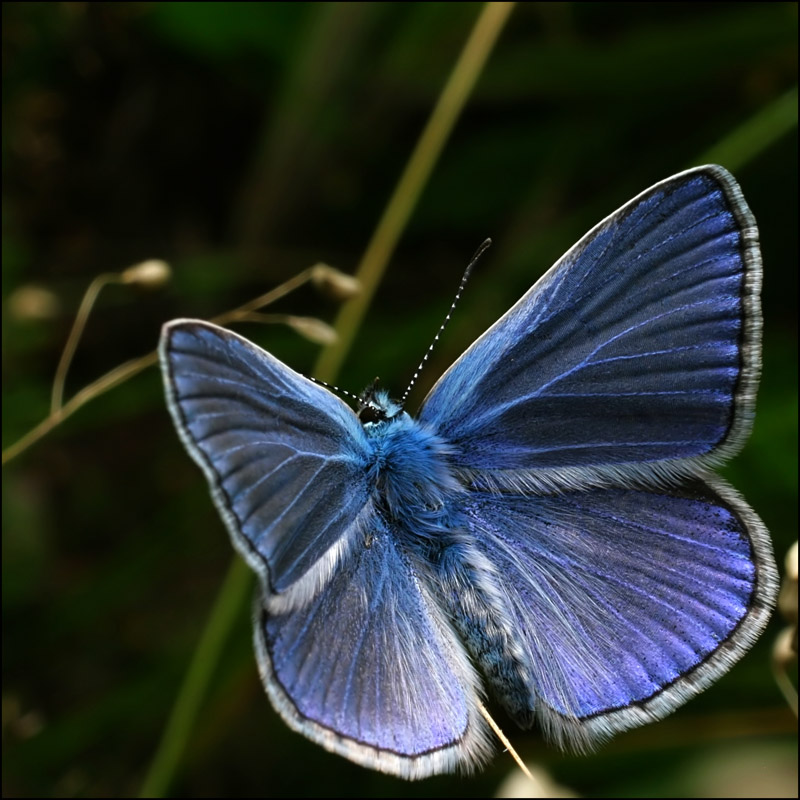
point(242, 143)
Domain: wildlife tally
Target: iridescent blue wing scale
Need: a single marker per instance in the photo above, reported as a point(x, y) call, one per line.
point(636, 357)
point(285, 458)
point(624, 602)
point(371, 669)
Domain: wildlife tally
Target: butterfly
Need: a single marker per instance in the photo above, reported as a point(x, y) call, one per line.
point(547, 526)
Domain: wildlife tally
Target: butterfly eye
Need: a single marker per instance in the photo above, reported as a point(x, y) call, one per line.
point(370, 414)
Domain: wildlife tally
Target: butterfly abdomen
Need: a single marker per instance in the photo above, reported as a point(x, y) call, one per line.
point(471, 591)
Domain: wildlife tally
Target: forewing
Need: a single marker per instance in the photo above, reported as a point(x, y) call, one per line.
point(635, 357)
point(370, 668)
point(285, 458)
point(624, 603)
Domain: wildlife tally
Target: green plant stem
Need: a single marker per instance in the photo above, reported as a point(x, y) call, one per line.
point(395, 217)
point(755, 134)
point(227, 609)
point(57, 394)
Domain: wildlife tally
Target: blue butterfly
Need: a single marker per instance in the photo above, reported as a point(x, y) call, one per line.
point(549, 518)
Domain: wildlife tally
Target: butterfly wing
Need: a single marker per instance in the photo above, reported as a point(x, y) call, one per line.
point(629, 367)
point(622, 603)
point(352, 649)
point(636, 357)
point(371, 669)
point(285, 458)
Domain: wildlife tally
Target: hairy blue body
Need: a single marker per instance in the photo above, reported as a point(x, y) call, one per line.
point(409, 469)
point(422, 500)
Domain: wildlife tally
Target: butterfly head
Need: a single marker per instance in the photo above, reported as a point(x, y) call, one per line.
point(375, 406)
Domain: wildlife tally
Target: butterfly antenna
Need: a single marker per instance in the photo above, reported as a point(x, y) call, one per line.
point(335, 388)
point(478, 253)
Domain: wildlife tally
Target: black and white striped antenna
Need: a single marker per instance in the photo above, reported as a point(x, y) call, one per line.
point(478, 253)
point(333, 388)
